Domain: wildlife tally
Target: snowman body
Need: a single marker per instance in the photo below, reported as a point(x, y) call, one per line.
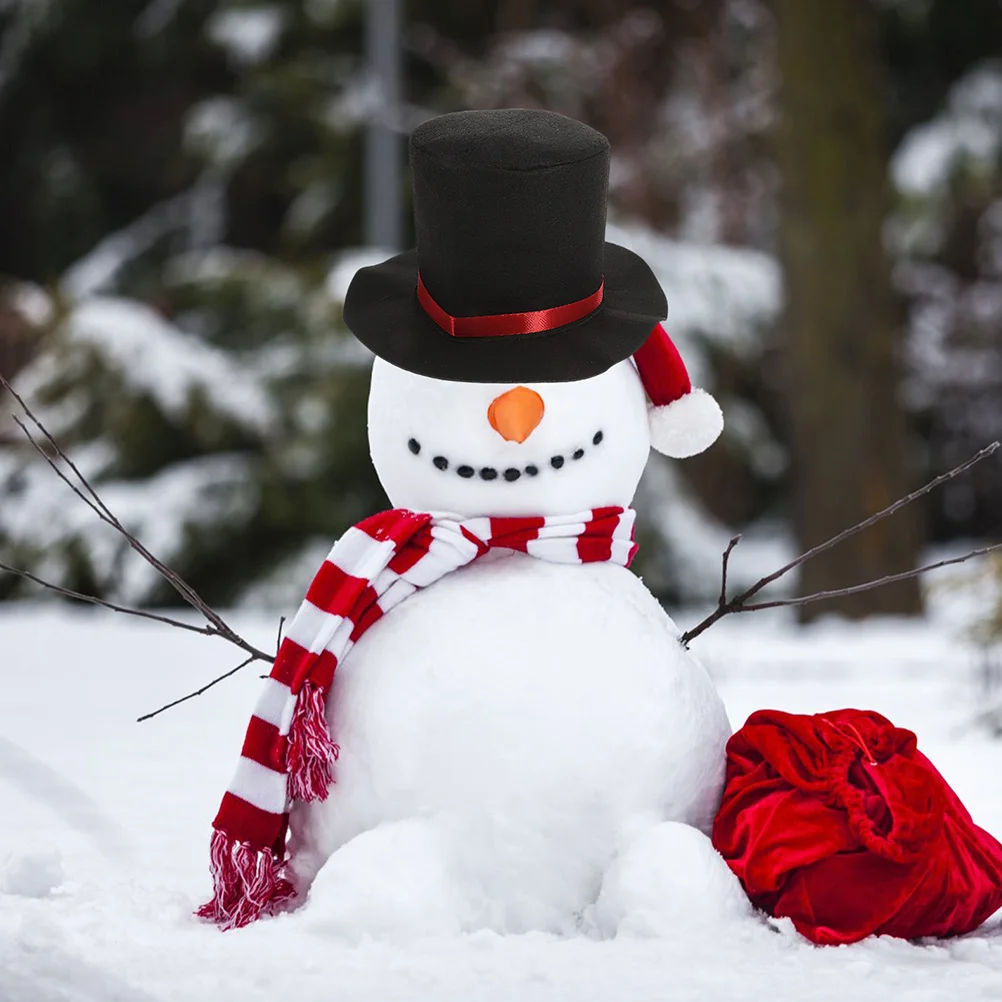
point(505, 733)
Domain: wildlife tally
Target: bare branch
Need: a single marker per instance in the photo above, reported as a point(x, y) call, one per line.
point(98, 506)
point(820, 596)
point(987, 451)
point(208, 631)
point(723, 570)
point(197, 692)
point(59, 473)
point(740, 603)
point(278, 642)
point(94, 501)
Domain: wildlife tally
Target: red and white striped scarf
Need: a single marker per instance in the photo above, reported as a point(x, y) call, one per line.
point(288, 753)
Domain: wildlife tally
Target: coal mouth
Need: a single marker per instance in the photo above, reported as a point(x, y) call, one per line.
point(510, 474)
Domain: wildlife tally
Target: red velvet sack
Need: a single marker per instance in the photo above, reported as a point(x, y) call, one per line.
point(838, 822)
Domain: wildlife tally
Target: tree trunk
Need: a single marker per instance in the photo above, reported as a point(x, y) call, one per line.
point(849, 432)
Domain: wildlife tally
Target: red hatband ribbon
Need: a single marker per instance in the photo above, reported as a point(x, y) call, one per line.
point(500, 324)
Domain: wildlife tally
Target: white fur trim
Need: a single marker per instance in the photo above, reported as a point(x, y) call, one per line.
point(686, 426)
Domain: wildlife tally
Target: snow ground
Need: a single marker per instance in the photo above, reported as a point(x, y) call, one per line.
point(105, 826)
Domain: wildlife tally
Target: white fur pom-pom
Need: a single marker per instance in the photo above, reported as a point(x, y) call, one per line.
point(686, 426)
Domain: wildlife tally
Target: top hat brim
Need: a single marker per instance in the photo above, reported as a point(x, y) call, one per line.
point(382, 310)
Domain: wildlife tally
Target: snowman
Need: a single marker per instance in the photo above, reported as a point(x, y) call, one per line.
point(480, 718)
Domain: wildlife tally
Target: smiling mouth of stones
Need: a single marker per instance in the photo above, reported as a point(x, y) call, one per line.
point(509, 473)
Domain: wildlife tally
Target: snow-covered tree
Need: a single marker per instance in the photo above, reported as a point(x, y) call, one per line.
point(195, 363)
point(180, 190)
point(947, 233)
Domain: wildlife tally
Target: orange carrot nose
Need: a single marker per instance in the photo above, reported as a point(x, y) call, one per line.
point(515, 414)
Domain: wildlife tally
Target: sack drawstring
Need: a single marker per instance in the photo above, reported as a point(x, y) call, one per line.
point(855, 738)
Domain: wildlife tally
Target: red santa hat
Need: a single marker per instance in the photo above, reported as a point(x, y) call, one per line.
point(684, 421)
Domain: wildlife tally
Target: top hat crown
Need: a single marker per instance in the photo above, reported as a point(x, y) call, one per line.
point(523, 194)
point(512, 279)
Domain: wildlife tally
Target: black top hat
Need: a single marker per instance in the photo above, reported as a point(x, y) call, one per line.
point(512, 279)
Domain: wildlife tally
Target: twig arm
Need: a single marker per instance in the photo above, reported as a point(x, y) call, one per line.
point(89, 495)
point(207, 630)
point(987, 451)
point(820, 596)
point(215, 681)
point(97, 505)
point(725, 559)
point(197, 692)
point(740, 603)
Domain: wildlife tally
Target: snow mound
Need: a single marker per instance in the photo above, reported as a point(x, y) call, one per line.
point(668, 881)
point(389, 883)
point(32, 874)
point(123, 932)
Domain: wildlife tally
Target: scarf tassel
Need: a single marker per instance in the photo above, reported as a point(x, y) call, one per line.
point(247, 883)
point(311, 749)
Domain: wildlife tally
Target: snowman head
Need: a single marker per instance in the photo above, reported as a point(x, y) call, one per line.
point(508, 449)
point(516, 348)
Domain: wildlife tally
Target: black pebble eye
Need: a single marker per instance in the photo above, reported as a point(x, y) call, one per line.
point(512, 474)
point(466, 472)
point(578, 453)
point(488, 473)
point(598, 438)
point(532, 471)
point(441, 462)
point(556, 462)
point(414, 445)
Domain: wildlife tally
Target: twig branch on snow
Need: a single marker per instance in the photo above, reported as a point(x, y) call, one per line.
point(197, 692)
point(208, 631)
point(216, 625)
point(215, 681)
point(740, 603)
point(278, 643)
point(820, 596)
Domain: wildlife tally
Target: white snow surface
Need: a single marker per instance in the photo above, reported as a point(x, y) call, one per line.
point(96, 901)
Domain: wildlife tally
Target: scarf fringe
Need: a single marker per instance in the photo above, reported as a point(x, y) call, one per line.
point(311, 750)
point(247, 883)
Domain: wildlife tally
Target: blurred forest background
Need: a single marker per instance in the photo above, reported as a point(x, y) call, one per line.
point(817, 183)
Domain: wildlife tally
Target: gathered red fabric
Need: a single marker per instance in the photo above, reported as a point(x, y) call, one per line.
point(838, 822)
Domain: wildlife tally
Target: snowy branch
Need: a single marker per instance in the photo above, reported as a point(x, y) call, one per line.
point(84, 490)
point(740, 603)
